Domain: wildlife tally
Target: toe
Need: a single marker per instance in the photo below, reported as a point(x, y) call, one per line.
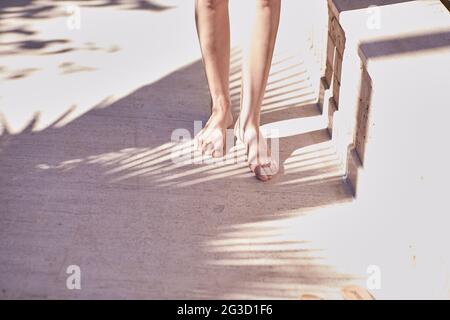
point(217, 153)
point(199, 143)
point(203, 146)
point(218, 148)
point(258, 171)
point(266, 172)
point(208, 148)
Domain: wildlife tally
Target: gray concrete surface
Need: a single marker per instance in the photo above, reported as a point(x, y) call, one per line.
point(88, 194)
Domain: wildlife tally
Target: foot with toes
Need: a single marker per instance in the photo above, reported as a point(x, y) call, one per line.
point(258, 153)
point(211, 139)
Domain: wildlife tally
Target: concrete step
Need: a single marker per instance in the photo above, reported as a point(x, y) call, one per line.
point(375, 34)
point(385, 90)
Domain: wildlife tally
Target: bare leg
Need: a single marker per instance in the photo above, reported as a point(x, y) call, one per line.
point(255, 73)
point(213, 28)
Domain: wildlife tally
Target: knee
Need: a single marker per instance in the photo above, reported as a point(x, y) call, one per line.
point(211, 4)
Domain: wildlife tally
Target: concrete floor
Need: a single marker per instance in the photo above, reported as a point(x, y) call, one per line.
point(99, 190)
point(95, 193)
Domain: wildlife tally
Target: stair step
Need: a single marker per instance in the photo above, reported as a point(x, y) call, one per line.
point(368, 47)
point(385, 91)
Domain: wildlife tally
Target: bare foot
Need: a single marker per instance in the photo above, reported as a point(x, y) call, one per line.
point(211, 139)
point(308, 296)
point(259, 158)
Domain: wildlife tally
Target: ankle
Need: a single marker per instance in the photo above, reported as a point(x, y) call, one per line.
point(221, 104)
point(247, 132)
point(249, 124)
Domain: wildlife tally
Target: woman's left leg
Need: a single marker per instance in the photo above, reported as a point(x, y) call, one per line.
point(255, 73)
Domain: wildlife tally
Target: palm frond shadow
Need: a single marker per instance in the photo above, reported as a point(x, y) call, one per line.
point(105, 188)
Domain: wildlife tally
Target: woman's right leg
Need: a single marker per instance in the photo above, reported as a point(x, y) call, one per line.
point(213, 28)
